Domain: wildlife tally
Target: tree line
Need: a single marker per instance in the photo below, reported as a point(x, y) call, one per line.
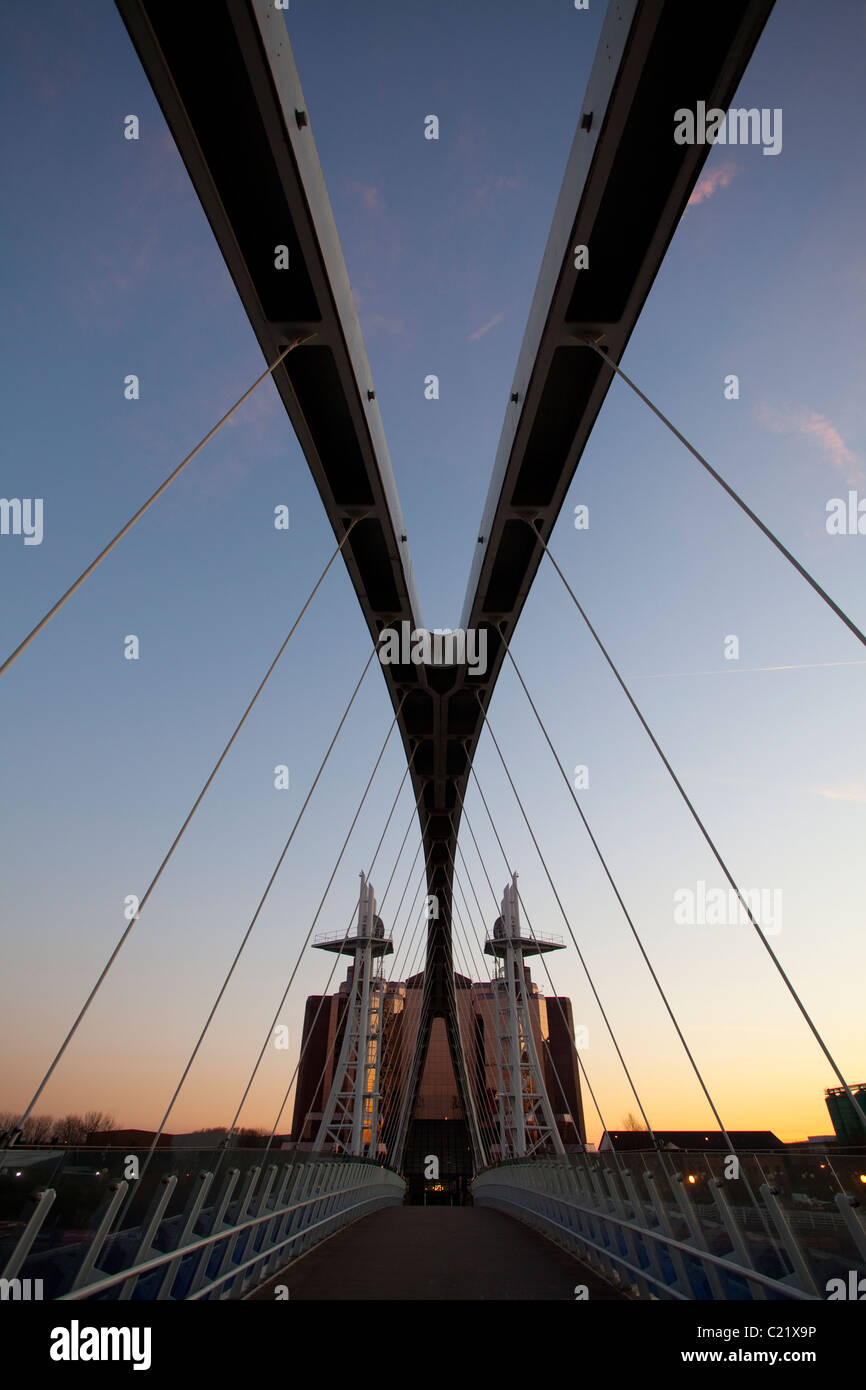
point(45, 1129)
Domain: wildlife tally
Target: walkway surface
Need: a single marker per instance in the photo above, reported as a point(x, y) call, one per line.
point(463, 1253)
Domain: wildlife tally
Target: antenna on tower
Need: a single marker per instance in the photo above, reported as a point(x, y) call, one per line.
point(526, 1122)
point(350, 1120)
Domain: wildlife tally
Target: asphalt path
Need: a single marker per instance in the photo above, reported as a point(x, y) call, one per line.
point(458, 1253)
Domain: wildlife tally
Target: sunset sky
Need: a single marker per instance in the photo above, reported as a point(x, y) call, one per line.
point(110, 268)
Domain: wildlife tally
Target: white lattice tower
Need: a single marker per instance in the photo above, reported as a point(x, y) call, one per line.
point(526, 1123)
point(350, 1120)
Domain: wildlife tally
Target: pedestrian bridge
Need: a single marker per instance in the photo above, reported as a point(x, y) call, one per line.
point(463, 1254)
point(175, 1225)
point(647, 1225)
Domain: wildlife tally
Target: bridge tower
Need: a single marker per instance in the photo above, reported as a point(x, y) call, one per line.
point(350, 1120)
point(526, 1123)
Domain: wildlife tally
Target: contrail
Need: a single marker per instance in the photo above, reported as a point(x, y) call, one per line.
point(743, 670)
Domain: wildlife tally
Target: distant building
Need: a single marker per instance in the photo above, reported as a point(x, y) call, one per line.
point(200, 1139)
point(126, 1139)
point(816, 1143)
point(691, 1140)
point(438, 1099)
point(850, 1128)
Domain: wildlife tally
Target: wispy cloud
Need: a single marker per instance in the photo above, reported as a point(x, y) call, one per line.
point(377, 236)
point(485, 328)
point(382, 323)
point(819, 428)
point(485, 192)
point(471, 140)
point(734, 670)
point(370, 195)
point(851, 791)
point(829, 438)
point(262, 406)
point(707, 185)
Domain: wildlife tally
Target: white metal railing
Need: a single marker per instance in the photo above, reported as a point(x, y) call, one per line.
point(601, 1217)
point(202, 1255)
point(546, 938)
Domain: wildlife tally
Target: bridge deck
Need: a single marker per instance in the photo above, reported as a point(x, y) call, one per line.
point(460, 1253)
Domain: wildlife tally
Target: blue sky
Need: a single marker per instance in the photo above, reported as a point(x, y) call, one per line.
point(109, 268)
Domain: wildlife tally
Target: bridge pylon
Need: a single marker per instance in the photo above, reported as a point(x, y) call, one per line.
point(524, 1112)
point(350, 1120)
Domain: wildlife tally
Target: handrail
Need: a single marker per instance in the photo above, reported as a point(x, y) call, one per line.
point(176, 1256)
point(740, 1270)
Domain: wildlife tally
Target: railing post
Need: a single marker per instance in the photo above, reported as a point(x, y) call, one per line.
point(218, 1217)
point(158, 1205)
point(542, 1182)
point(194, 1206)
point(335, 1189)
point(44, 1202)
point(628, 1238)
point(789, 1240)
point(735, 1236)
point(600, 1203)
point(255, 1240)
point(641, 1217)
point(684, 1202)
point(272, 1228)
point(581, 1191)
point(853, 1220)
point(296, 1179)
point(684, 1278)
point(307, 1213)
point(298, 1216)
point(252, 1178)
point(118, 1192)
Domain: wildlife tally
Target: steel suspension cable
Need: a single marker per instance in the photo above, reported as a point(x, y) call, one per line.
point(565, 1022)
point(392, 1059)
point(706, 834)
point(575, 1049)
point(547, 971)
point(393, 967)
point(731, 1146)
point(852, 627)
point(260, 905)
point(305, 1043)
point(467, 961)
point(159, 491)
point(424, 1012)
point(637, 938)
point(490, 1109)
point(472, 1117)
point(472, 886)
point(395, 1060)
point(471, 939)
point(385, 1068)
point(490, 1116)
point(577, 804)
point(175, 842)
point(305, 942)
point(571, 933)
